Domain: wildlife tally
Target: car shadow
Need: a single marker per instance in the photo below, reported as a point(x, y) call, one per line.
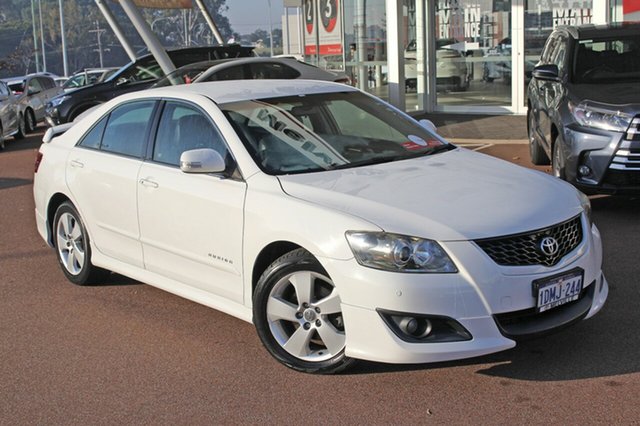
point(31, 141)
point(9, 182)
point(115, 280)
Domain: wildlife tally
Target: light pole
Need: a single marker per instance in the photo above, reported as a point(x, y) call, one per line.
point(270, 29)
point(44, 56)
point(64, 40)
point(35, 36)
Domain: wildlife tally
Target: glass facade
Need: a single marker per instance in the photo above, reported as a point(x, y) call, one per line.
point(457, 55)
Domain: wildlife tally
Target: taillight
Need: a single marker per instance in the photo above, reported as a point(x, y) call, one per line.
point(38, 161)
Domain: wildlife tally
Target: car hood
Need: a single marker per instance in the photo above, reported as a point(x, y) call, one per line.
point(615, 94)
point(457, 195)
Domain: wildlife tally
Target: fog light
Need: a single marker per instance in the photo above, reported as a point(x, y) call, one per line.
point(422, 328)
point(584, 170)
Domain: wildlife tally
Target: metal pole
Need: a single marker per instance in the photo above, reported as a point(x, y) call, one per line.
point(64, 41)
point(106, 12)
point(209, 19)
point(149, 38)
point(44, 56)
point(35, 36)
point(270, 28)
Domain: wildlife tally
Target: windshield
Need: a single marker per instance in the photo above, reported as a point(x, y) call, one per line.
point(185, 75)
point(610, 60)
point(17, 88)
point(310, 133)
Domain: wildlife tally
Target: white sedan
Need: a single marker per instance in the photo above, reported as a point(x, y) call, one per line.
point(338, 225)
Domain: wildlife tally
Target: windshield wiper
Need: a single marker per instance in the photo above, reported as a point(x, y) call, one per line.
point(372, 161)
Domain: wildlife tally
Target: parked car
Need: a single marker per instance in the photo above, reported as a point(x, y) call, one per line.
point(249, 69)
point(134, 76)
point(452, 70)
point(88, 77)
point(584, 107)
point(33, 91)
point(10, 119)
point(333, 221)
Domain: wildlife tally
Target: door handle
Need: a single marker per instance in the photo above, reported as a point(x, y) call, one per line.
point(76, 163)
point(149, 183)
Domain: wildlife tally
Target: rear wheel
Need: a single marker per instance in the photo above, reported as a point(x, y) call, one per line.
point(73, 248)
point(538, 156)
point(298, 316)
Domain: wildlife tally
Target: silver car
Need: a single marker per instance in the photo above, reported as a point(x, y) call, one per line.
point(249, 69)
point(33, 92)
point(10, 122)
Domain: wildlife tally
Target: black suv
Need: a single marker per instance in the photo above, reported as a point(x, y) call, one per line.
point(584, 107)
point(134, 76)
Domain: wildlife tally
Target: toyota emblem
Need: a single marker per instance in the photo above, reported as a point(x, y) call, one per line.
point(549, 246)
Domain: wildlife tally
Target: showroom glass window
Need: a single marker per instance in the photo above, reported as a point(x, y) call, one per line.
point(473, 52)
point(127, 128)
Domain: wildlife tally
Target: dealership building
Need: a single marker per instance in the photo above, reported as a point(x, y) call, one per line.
point(459, 56)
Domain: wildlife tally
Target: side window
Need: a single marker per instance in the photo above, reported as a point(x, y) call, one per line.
point(272, 70)
point(94, 137)
point(46, 83)
point(127, 128)
point(183, 128)
point(559, 54)
point(231, 73)
point(34, 86)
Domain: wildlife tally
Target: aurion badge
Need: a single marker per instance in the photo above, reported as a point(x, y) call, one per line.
point(549, 246)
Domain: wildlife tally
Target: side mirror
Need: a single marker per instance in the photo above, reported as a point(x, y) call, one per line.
point(205, 160)
point(121, 81)
point(546, 72)
point(428, 124)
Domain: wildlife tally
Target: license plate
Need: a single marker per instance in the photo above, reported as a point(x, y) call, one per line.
point(556, 291)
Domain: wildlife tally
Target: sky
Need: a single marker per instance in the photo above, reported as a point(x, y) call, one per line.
point(246, 16)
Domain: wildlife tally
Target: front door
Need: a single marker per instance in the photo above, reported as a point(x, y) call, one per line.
point(191, 224)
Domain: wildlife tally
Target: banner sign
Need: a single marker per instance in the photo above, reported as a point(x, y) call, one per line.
point(328, 30)
point(163, 4)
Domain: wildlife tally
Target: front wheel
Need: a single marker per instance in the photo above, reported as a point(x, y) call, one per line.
point(557, 160)
point(297, 313)
point(29, 121)
point(73, 248)
point(22, 129)
point(538, 156)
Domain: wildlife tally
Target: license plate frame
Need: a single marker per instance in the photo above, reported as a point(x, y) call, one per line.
point(557, 290)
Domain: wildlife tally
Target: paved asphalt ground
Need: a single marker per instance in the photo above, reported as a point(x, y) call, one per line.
point(127, 353)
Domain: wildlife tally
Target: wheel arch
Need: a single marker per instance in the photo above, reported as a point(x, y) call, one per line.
point(79, 109)
point(267, 256)
point(54, 202)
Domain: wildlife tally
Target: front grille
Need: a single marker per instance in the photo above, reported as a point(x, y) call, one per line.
point(525, 249)
point(627, 156)
point(622, 178)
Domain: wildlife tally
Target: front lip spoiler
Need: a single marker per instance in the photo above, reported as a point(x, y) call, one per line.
point(527, 324)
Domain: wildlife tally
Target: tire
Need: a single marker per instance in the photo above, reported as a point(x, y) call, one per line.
point(22, 128)
point(1, 138)
point(29, 121)
point(73, 247)
point(557, 160)
point(538, 156)
point(297, 314)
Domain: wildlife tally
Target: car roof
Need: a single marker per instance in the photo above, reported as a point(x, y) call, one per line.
point(239, 60)
point(614, 29)
point(241, 90)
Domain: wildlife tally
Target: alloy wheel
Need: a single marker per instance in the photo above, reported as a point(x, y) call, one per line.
point(70, 243)
point(305, 318)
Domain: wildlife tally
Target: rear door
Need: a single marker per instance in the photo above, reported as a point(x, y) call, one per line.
point(191, 224)
point(102, 173)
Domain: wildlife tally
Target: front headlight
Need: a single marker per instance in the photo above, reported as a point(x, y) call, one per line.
point(586, 206)
point(399, 253)
point(600, 116)
point(57, 101)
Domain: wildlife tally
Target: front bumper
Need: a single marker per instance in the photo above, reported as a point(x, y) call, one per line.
point(596, 149)
point(475, 297)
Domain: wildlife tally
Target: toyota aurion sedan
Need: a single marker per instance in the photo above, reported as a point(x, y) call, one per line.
point(584, 107)
point(337, 224)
